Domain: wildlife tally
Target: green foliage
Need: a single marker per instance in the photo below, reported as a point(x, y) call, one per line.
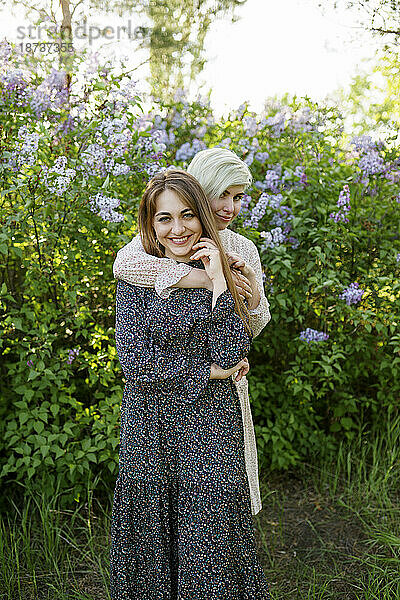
point(61, 382)
point(306, 397)
point(60, 412)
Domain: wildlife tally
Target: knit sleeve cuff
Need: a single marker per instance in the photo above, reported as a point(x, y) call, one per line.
point(165, 281)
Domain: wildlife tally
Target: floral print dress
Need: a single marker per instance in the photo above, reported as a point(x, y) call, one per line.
point(181, 520)
point(135, 266)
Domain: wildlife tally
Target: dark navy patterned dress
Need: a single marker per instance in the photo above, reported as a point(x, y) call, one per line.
point(181, 521)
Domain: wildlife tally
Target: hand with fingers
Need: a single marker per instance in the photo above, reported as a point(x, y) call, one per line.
point(242, 368)
point(240, 279)
point(242, 285)
point(209, 254)
point(236, 262)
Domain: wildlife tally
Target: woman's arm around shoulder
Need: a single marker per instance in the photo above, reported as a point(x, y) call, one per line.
point(136, 267)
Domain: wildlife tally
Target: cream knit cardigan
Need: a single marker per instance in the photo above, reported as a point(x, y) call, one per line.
point(136, 267)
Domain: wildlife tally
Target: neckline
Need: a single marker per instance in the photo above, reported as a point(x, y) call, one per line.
point(192, 263)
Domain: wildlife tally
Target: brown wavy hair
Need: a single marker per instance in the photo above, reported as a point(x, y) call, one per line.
point(192, 194)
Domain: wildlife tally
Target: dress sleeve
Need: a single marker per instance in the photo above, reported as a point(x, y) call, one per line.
point(227, 337)
point(142, 360)
point(260, 315)
point(135, 266)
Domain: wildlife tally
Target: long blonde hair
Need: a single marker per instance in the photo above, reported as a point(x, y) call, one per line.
point(191, 193)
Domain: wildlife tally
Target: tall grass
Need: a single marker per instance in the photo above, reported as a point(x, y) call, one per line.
point(47, 553)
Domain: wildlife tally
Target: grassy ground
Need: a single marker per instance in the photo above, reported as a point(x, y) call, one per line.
point(328, 531)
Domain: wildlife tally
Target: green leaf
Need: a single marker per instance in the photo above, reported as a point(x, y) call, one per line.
point(38, 426)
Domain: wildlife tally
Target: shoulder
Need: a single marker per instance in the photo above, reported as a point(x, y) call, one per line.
point(132, 246)
point(238, 243)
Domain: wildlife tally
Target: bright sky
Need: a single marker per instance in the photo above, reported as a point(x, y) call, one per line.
point(282, 46)
point(275, 47)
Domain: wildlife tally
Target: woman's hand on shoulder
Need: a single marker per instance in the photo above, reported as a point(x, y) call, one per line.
point(236, 262)
point(242, 367)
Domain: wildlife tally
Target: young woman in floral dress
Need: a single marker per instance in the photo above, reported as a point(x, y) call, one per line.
point(181, 520)
point(224, 178)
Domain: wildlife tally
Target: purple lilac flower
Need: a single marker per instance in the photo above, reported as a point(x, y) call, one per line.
point(250, 126)
point(104, 208)
point(398, 257)
point(121, 169)
point(258, 211)
point(177, 120)
point(66, 126)
point(52, 93)
point(93, 160)
point(240, 111)
point(295, 179)
point(25, 152)
point(201, 131)
point(72, 354)
point(187, 150)
point(57, 79)
point(303, 180)
point(363, 143)
point(245, 206)
point(116, 134)
point(225, 143)
point(58, 185)
point(5, 51)
point(152, 168)
point(260, 185)
point(158, 122)
point(272, 238)
point(249, 159)
point(246, 199)
point(179, 95)
point(29, 363)
point(282, 218)
point(121, 98)
point(152, 143)
point(294, 242)
point(262, 157)
point(272, 180)
point(352, 294)
point(166, 138)
point(203, 101)
point(312, 335)
point(244, 144)
point(371, 163)
point(14, 80)
point(344, 206)
point(300, 120)
point(277, 123)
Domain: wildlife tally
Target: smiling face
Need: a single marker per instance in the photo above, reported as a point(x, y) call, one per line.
point(176, 226)
point(227, 206)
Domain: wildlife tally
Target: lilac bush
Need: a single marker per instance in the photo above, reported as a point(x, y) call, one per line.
point(323, 213)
